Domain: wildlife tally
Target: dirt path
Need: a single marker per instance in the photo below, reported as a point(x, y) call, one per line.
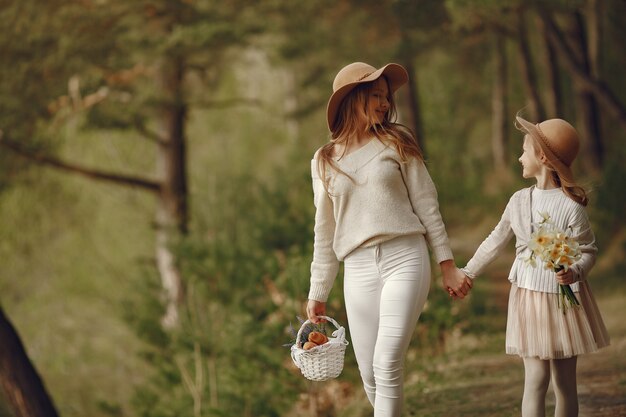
point(477, 379)
point(602, 376)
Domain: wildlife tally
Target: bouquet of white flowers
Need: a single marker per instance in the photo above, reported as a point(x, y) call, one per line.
point(558, 250)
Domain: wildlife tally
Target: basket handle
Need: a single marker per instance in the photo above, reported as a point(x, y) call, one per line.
point(337, 326)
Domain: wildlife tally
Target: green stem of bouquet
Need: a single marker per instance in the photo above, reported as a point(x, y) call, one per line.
point(567, 298)
point(568, 295)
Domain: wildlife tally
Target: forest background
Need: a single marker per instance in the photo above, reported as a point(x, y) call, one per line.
point(156, 207)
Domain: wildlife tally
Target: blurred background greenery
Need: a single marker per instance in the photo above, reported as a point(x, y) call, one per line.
point(155, 200)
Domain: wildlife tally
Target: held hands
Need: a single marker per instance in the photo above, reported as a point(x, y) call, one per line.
point(314, 309)
point(454, 281)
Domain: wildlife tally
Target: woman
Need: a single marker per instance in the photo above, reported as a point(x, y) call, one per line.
point(376, 209)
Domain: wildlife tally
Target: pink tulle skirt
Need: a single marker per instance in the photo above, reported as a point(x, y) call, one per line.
point(537, 327)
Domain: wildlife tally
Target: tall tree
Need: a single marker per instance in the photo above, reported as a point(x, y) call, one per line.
point(528, 69)
point(589, 115)
point(554, 95)
point(499, 129)
point(150, 50)
point(23, 387)
point(494, 25)
point(597, 86)
point(419, 30)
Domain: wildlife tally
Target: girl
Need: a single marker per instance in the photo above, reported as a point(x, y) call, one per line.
point(376, 208)
point(548, 338)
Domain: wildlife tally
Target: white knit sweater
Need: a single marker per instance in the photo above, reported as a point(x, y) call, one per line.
point(522, 210)
point(383, 198)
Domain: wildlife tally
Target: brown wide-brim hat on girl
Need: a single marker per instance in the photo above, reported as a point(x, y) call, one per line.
point(357, 73)
point(559, 142)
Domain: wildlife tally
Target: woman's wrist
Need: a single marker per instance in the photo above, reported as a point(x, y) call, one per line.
point(447, 265)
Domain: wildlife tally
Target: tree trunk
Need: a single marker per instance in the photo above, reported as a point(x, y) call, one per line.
point(414, 117)
point(528, 72)
point(554, 93)
point(498, 104)
point(595, 10)
point(22, 385)
point(602, 92)
point(172, 211)
point(589, 115)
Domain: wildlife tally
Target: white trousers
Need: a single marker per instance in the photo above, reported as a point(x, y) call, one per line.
point(385, 288)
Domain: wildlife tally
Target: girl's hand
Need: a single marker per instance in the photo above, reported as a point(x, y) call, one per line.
point(565, 277)
point(454, 280)
point(314, 309)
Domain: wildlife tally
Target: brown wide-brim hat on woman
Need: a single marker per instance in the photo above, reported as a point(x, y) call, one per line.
point(559, 142)
point(357, 73)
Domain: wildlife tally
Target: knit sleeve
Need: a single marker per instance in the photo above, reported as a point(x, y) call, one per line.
point(423, 196)
point(325, 265)
point(492, 246)
point(582, 233)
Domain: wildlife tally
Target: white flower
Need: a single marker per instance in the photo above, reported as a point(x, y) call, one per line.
point(545, 217)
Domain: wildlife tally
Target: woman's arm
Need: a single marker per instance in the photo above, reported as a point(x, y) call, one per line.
point(424, 200)
point(325, 265)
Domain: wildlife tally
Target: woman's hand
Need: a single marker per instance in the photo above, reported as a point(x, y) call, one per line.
point(314, 309)
point(454, 281)
point(565, 277)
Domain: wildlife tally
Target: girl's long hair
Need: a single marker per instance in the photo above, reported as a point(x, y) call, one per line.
point(353, 120)
point(571, 189)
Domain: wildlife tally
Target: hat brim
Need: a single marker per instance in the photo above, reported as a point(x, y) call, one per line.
point(564, 171)
point(396, 76)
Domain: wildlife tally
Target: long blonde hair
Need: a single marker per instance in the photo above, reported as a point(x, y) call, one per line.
point(353, 120)
point(572, 190)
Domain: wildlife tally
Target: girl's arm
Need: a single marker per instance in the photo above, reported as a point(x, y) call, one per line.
point(492, 246)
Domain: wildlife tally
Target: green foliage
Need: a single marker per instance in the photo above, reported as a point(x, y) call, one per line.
point(239, 299)
point(4, 412)
point(437, 320)
point(608, 204)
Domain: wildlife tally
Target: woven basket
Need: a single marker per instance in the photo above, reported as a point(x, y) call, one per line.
point(322, 362)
